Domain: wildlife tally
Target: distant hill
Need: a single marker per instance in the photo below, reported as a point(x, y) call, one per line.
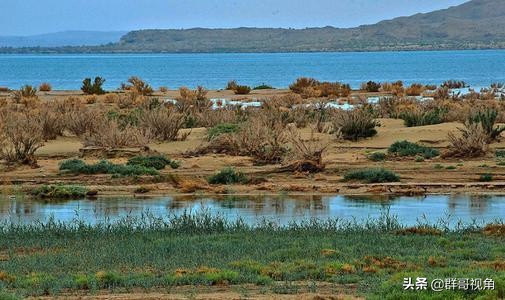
point(65, 38)
point(477, 24)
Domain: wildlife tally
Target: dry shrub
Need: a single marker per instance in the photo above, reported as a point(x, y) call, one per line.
point(415, 89)
point(310, 92)
point(395, 88)
point(79, 120)
point(494, 229)
point(242, 90)
point(26, 91)
point(302, 83)
point(45, 87)
point(472, 142)
point(193, 100)
point(231, 85)
point(111, 98)
point(289, 100)
point(20, 137)
point(307, 154)
point(109, 134)
point(163, 89)
point(163, 123)
point(311, 88)
point(213, 117)
point(4, 89)
point(421, 230)
point(263, 139)
point(128, 100)
point(260, 137)
point(138, 86)
point(50, 120)
point(91, 99)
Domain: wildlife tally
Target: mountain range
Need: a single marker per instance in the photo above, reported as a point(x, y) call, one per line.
point(476, 24)
point(64, 38)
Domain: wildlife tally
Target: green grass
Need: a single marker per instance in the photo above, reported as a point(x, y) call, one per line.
point(59, 191)
point(406, 148)
point(157, 162)
point(372, 175)
point(374, 255)
point(377, 156)
point(77, 166)
point(227, 176)
point(486, 177)
point(221, 129)
point(263, 87)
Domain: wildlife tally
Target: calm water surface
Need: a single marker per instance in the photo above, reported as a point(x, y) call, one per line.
point(409, 210)
point(478, 68)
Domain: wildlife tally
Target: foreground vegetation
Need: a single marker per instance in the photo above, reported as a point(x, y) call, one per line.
point(199, 249)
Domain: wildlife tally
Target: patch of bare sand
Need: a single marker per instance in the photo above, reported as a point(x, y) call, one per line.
point(324, 291)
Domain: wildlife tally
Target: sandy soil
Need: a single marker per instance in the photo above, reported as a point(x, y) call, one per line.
point(323, 291)
point(417, 177)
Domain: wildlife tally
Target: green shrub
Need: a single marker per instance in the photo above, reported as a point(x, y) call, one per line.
point(422, 118)
point(377, 156)
point(59, 191)
point(355, 124)
point(227, 176)
point(93, 88)
point(406, 148)
point(221, 129)
point(486, 177)
point(372, 175)
point(487, 118)
point(371, 87)
point(157, 162)
point(500, 153)
point(263, 87)
point(242, 90)
point(77, 166)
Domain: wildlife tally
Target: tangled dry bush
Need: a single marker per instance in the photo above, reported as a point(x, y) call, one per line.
point(109, 134)
point(20, 136)
point(190, 101)
point(471, 142)
point(137, 86)
point(50, 120)
point(163, 123)
point(262, 138)
point(228, 114)
point(79, 119)
point(307, 154)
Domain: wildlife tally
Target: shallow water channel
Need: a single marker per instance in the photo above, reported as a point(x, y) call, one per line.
point(449, 209)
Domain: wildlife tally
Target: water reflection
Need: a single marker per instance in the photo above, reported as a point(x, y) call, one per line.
point(283, 209)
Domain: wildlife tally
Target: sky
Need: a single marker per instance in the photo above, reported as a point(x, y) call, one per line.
point(28, 17)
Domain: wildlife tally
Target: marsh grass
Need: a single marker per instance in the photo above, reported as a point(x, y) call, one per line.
point(59, 191)
point(373, 175)
point(406, 148)
point(374, 255)
point(77, 166)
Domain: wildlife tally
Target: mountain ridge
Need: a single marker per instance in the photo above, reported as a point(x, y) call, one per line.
point(476, 24)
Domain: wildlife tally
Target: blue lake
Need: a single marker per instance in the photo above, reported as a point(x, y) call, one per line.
point(477, 67)
point(449, 209)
